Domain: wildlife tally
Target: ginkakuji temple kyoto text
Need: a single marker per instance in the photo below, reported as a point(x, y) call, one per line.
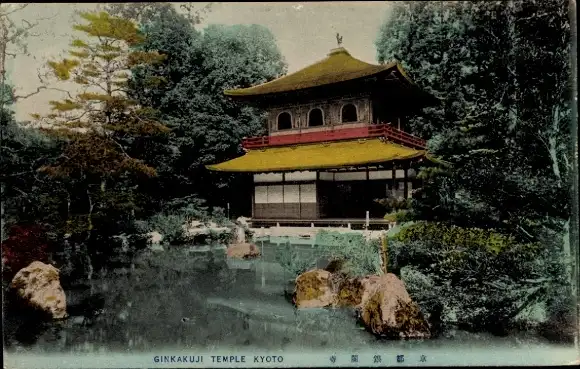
point(336, 143)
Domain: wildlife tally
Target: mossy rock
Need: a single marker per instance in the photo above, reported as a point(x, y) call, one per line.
point(349, 293)
point(308, 286)
point(372, 315)
point(410, 320)
point(313, 289)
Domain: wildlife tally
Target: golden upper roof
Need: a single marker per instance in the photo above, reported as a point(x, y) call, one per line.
point(338, 66)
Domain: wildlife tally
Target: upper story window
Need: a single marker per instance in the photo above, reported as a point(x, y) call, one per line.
point(348, 113)
point(284, 121)
point(315, 118)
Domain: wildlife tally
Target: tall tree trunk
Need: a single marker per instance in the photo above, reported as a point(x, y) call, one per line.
point(88, 259)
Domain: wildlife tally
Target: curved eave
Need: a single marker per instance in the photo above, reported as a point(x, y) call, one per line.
point(328, 155)
point(258, 91)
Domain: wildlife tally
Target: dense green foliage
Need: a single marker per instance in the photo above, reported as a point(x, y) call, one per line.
point(206, 126)
point(476, 285)
point(91, 200)
point(503, 120)
point(501, 71)
point(453, 235)
point(356, 255)
point(27, 196)
point(360, 257)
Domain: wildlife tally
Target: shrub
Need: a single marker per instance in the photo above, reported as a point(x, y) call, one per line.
point(169, 225)
point(401, 216)
point(394, 204)
point(221, 238)
point(292, 262)
point(361, 257)
point(452, 235)
point(484, 279)
point(25, 244)
point(190, 207)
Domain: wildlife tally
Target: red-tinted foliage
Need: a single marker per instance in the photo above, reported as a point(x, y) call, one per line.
point(26, 243)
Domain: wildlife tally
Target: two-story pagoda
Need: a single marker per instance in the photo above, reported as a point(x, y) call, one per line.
point(336, 142)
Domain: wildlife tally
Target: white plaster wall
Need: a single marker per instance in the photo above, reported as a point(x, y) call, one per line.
point(267, 177)
point(352, 176)
point(308, 193)
point(275, 194)
point(301, 176)
point(261, 195)
point(291, 194)
point(381, 174)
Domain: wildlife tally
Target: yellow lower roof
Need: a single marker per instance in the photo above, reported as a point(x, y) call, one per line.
point(318, 156)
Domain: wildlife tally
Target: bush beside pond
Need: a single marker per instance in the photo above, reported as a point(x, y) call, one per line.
point(482, 279)
point(172, 228)
point(472, 278)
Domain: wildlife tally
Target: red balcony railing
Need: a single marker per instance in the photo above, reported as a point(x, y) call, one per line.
point(336, 134)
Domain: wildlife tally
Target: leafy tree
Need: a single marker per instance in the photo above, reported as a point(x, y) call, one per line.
point(484, 61)
point(206, 126)
point(501, 70)
point(105, 130)
point(143, 13)
point(13, 36)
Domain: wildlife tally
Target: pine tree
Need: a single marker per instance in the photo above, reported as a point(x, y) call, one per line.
point(101, 124)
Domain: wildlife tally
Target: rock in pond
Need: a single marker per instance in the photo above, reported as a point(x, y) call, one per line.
point(243, 251)
point(38, 287)
point(387, 309)
point(314, 289)
point(382, 302)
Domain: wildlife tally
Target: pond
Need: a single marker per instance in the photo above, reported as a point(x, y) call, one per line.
point(183, 298)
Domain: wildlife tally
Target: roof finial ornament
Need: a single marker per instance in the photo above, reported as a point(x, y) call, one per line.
point(339, 39)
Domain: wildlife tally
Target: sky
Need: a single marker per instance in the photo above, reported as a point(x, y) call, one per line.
point(305, 33)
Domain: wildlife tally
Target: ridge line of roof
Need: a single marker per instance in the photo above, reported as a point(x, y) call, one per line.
point(380, 67)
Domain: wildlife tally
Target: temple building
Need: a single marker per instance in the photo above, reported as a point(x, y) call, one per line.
point(336, 142)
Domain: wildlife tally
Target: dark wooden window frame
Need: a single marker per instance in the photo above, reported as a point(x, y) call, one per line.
point(321, 115)
point(356, 119)
point(278, 121)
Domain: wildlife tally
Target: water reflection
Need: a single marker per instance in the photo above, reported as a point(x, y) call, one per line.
point(178, 299)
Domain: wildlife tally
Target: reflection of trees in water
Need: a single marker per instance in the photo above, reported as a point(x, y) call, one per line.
point(143, 307)
point(145, 310)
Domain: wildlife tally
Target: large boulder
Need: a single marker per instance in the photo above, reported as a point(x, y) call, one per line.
point(382, 302)
point(314, 289)
point(387, 309)
point(243, 251)
point(38, 287)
